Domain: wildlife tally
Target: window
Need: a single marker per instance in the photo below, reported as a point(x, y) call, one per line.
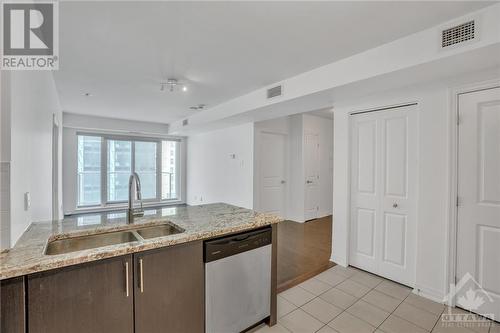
point(119, 165)
point(145, 166)
point(106, 162)
point(89, 170)
point(168, 167)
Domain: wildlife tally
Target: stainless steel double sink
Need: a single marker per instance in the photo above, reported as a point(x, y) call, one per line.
point(78, 243)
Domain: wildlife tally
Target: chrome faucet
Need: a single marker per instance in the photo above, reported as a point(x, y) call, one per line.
point(134, 192)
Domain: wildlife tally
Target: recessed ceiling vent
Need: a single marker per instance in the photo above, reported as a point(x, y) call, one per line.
point(458, 34)
point(275, 91)
point(185, 122)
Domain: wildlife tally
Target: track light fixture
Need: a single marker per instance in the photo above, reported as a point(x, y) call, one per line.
point(171, 85)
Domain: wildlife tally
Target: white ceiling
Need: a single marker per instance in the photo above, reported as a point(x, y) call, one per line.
point(120, 51)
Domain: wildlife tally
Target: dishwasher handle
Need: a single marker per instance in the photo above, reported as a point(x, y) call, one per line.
point(232, 240)
point(230, 245)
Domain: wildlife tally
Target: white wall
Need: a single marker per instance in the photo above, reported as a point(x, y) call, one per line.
point(296, 197)
point(213, 175)
point(31, 101)
point(434, 179)
point(91, 123)
point(4, 159)
point(294, 127)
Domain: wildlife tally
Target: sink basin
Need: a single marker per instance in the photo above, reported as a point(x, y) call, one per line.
point(158, 231)
point(73, 244)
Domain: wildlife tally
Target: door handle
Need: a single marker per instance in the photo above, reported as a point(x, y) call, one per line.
point(141, 276)
point(395, 205)
point(283, 182)
point(309, 182)
point(126, 278)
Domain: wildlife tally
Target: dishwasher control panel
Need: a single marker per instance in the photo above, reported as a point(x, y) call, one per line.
point(219, 248)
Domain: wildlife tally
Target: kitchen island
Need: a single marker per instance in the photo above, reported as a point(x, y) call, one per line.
point(119, 287)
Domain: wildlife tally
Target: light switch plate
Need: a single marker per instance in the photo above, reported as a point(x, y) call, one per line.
point(27, 201)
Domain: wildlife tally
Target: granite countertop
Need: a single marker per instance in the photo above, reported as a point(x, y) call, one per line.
point(198, 222)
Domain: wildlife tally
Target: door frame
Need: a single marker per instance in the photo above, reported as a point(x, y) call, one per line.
point(56, 148)
point(317, 134)
point(452, 226)
point(258, 168)
point(415, 103)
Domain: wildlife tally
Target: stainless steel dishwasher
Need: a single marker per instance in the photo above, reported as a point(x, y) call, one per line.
point(237, 281)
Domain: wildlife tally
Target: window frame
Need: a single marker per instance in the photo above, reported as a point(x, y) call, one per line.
point(105, 138)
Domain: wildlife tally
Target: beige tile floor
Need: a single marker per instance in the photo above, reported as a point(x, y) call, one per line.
point(348, 300)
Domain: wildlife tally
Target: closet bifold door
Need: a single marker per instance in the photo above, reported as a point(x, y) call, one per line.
point(384, 160)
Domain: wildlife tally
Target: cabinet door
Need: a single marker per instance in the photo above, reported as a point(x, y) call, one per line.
point(12, 317)
point(92, 297)
point(169, 289)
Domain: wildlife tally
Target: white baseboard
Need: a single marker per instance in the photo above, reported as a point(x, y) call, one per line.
point(295, 219)
point(324, 214)
point(339, 261)
point(429, 293)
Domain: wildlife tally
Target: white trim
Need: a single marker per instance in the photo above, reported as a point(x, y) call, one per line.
point(452, 226)
point(417, 194)
point(349, 186)
point(429, 293)
point(339, 261)
point(55, 121)
point(56, 148)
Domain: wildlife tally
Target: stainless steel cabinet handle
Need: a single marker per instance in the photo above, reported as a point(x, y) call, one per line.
point(141, 277)
point(395, 205)
point(126, 278)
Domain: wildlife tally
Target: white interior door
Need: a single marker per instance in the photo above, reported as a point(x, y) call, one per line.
point(273, 173)
point(383, 192)
point(478, 242)
point(311, 169)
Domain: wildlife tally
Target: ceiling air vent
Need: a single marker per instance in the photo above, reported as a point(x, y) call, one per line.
point(185, 122)
point(274, 91)
point(458, 34)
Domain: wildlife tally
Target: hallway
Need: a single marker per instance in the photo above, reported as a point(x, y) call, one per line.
point(303, 250)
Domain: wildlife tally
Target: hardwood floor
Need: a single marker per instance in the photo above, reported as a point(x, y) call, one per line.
point(303, 250)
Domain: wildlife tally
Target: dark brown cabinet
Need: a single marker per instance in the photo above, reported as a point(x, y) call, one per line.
point(12, 304)
point(91, 297)
point(159, 291)
point(169, 289)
